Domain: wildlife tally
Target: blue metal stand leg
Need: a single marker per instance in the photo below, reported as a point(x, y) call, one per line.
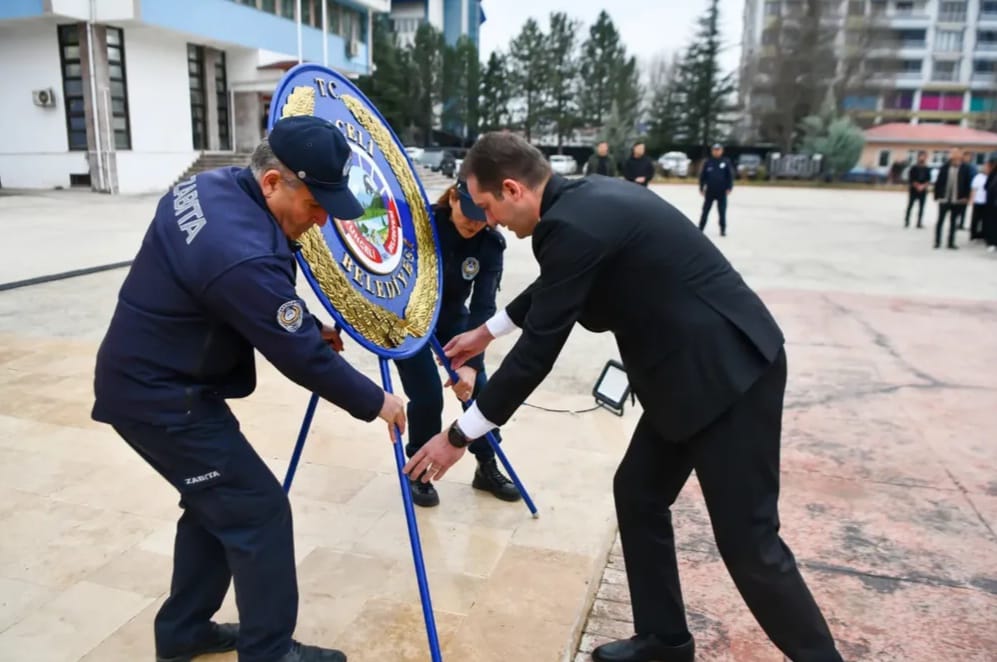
point(413, 531)
point(300, 445)
point(497, 447)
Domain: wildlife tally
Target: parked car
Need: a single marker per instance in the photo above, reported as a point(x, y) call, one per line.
point(562, 164)
point(414, 153)
point(748, 165)
point(674, 164)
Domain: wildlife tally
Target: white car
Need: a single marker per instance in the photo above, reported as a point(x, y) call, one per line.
point(675, 164)
point(414, 153)
point(562, 164)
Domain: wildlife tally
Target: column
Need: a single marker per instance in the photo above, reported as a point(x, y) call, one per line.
point(211, 99)
point(100, 136)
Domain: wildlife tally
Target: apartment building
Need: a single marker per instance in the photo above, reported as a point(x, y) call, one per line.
point(922, 61)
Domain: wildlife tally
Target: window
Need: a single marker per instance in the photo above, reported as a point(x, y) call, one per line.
point(952, 12)
point(884, 158)
point(983, 103)
point(269, 6)
point(905, 7)
point(772, 8)
point(198, 107)
point(860, 102)
point(948, 41)
point(986, 40)
point(221, 96)
point(856, 7)
point(899, 100)
point(287, 8)
point(878, 7)
point(72, 86)
point(988, 8)
point(946, 71)
point(119, 88)
point(944, 101)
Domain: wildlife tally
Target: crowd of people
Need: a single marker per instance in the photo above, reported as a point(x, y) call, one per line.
point(961, 190)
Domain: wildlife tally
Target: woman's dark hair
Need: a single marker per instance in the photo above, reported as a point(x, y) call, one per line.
point(444, 200)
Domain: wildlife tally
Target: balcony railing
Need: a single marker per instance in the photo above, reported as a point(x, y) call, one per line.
point(945, 76)
point(952, 16)
point(986, 45)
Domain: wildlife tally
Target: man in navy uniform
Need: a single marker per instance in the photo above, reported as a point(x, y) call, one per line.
point(705, 358)
point(716, 181)
point(213, 281)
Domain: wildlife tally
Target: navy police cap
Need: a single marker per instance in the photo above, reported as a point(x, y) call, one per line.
point(318, 154)
point(467, 207)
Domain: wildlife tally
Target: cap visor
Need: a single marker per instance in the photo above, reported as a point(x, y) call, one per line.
point(338, 202)
point(472, 211)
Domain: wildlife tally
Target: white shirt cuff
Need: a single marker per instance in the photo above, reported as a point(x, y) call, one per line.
point(474, 424)
point(500, 324)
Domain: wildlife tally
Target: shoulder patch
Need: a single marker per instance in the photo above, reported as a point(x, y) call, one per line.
point(496, 236)
point(289, 315)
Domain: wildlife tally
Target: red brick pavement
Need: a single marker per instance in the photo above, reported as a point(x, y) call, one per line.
point(889, 494)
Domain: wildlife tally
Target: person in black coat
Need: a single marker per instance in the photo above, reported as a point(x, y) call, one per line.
point(716, 182)
point(705, 358)
point(952, 189)
point(990, 207)
point(919, 179)
point(472, 253)
point(639, 168)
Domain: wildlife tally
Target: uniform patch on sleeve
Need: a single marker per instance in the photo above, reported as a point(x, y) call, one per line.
point(289, 315)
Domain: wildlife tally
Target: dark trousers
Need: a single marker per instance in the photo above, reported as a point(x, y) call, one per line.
point(236, 526)
point(919, 197)
point(721, 199)
point(976, 222)
point(421, 382)
point(736, 459)
point(990, 224)
point(955, 213)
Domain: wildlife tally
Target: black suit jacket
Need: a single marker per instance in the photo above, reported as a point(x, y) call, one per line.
point(616, 257)
point(963, 185)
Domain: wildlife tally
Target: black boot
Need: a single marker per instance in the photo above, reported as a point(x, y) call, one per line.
point(302, 653)
point(489, 478)
point(645, 648)
point(222, 639)
point(424, 494)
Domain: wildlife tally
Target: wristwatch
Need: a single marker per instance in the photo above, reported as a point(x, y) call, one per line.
point(456, 436)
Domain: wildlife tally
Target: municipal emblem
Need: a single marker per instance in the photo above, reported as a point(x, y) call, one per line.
point(378, 275)
point(289, 315)
point(470, 268)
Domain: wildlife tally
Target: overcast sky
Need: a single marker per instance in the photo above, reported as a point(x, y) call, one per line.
point(647, 27)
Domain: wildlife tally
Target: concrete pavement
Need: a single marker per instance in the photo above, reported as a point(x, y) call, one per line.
point(888, 499)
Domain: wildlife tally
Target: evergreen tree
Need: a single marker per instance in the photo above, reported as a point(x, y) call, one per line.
point(495, 94)
point(528, 55)
point(602, 59)
point(562, 75)
point(705, 90)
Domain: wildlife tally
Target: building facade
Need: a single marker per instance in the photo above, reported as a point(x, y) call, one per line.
point(454, 18)
point(123, 95)
point(929, 61)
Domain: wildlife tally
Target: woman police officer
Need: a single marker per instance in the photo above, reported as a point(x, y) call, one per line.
point(472, 267)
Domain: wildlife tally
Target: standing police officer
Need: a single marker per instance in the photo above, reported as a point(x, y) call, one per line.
point(472, 260)
point(716, 181)
point(214, 280)
point(919, 179)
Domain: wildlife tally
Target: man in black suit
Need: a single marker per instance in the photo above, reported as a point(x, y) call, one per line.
point(703, 355)
point(919, 179)
point(952, 188)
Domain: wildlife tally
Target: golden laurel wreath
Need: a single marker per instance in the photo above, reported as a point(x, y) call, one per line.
point(378, 325)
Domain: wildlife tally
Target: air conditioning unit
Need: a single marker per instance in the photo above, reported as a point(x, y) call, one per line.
point(44, 98)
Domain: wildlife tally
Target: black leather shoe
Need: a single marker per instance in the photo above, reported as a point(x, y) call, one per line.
point(424, 494)
point(302, 653)
point(644, 648)
point(489, 478)
point(222, 640)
